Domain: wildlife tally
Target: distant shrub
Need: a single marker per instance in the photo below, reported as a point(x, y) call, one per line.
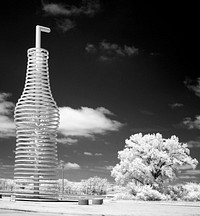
point(124, 196)
point(192, 192)
point(95, 185)
point(148, 193)
point(175, 192)
point(192, 196)
point(118, 189)
point(7, 184)
point(70, 188)
point(190, 187)
point(187, 192)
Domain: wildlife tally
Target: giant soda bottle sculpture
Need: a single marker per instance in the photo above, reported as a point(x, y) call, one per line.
point(37, 120)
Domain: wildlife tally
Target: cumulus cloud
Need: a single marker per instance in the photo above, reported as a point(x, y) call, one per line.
point(67, 141)
point(109, 167)
point(90, 48)
point(189, 123)
point(5, 106)
point(87, 8)
point(88, 153)
point(176, 105)
point(114, 50)
point(83, 122)
point(194, 143)
point(193, 85)
point(57, 9)
point(98, 154)
point(67, 12)
point(108, 51)
point(69, 166)
point(130, 50)
point(7, 126)
point(65, 24)
point(91, 7)
point(102, 169)
point(86, 121)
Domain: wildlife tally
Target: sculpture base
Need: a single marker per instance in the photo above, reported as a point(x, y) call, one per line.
point(35, 197)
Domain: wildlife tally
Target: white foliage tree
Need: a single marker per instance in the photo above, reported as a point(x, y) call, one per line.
point(151, 159)
point(95, 185)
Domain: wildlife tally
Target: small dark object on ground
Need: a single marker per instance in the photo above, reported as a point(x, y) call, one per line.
point(83, 201)
point(97, 201)
point(0, 195)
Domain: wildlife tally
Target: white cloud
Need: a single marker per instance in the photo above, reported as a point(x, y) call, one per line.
point(6, 107)
point(130, 50)
point(65, 24)
point(188, 122)
point(70, 165)
point(194, 143)
point(98, 154)
point(176, 105)
point(108, 51)
point(91, 7)
point(88, 8)
point(90, 48)
point(56, 9)
point(111, 48)
point(193, 85)
point(64, 13)
point(109, 167)
point(192, 124)
point(7, 126)
point(67, 141)
point(102, 169)
point(86, 121)
point(88, 153)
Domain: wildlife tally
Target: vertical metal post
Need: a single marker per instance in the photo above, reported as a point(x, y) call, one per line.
point(63, 177)
point(38, 31)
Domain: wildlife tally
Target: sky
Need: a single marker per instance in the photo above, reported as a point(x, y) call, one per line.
point(116, 68)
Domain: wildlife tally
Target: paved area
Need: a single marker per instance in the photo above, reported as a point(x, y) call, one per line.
point(21, 213)
point(109, 208)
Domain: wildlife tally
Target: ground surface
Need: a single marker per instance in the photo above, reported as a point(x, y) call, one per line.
point(109, 208)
